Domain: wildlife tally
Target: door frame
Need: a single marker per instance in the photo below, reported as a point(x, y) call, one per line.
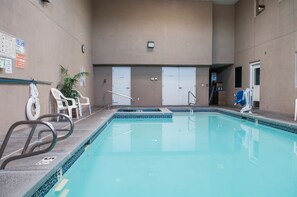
point(253, 65)
point(114, 96)
point(178, 89)
point(165, 102)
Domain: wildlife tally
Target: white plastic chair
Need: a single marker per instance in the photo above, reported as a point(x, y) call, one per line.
point(86, 103)
point(60, 99)
point(295, 110)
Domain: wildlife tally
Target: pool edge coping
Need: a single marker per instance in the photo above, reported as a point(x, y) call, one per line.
point(48, 174)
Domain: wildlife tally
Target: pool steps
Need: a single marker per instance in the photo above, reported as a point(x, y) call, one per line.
point(61, 185)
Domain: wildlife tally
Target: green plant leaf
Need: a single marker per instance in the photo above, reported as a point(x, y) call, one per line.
point(68, 83)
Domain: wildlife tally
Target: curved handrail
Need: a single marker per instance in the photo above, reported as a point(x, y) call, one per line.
point(119, 94)
point(59, 137)
point(189, 94)
point(28, 154)
point(122, 95)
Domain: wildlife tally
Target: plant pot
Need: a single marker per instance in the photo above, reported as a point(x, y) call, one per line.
point(74, 113)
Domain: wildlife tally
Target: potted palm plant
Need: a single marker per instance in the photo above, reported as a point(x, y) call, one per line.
point(68, 83)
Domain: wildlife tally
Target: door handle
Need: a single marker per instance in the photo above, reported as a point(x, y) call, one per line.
point(180, 88)
point(127, 88)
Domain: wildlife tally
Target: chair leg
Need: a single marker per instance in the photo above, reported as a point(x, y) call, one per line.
point(77, 114)
point(80, 110)
point(58, 117)
point(90, 109)
point(70, 112)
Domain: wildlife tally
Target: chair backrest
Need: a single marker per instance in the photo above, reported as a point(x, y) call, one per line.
point(57, 95)
point(87, 100)
point(80, 95)
point(240, 98)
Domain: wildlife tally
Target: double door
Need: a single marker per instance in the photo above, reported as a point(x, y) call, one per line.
point(176, 83)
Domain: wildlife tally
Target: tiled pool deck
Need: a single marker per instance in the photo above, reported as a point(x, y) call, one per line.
point(23, 177)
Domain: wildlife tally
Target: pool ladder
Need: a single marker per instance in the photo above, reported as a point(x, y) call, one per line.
point(28, 149)
point(189, 102)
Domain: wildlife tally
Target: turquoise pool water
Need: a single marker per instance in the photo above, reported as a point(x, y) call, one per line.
point(203, 154)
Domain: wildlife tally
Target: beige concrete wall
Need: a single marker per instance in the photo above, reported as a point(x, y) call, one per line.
point(102, 83)
point(149, 92)
point(271, 38)
point(202, 86)
point(223, 34)
point(182, 31)
point(53, 34)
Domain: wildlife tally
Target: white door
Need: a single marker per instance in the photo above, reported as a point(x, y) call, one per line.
point(187, 82)
point(176, 83)
point(255, 81)
point(170, 86)
point(121, 84)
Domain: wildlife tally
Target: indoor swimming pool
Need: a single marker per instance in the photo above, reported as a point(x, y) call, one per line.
point(199, 154)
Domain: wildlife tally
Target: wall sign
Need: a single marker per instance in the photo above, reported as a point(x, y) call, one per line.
point(20, 61)
point(2, 62)
point(8, 65)
point(7, 46)
point(20, 53)
point(12, 50)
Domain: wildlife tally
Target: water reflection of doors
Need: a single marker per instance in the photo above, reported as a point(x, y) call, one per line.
point(143, 137)
point(155, 136)
point(251, 142)
point(121, 138)
point(179, 137)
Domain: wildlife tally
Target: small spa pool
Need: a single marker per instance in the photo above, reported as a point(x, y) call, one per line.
point(201, 154)
point(139, 110)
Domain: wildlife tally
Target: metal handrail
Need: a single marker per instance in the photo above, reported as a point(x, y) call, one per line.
point(9, 80)
point(25, 154)
point(211, 94)
point(122, 95)
point(119, 94)
point(59, 137)
point(189, 94)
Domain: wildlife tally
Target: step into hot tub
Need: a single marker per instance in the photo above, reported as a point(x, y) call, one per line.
point(143, 113)
point(139, 110)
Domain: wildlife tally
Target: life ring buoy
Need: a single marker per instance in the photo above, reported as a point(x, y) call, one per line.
point(33, 108)
point(33, 105)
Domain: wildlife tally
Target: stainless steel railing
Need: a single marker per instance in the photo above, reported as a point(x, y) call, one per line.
point(111, 92)
point(189, 95)
point(68, 128)
point(44, 127)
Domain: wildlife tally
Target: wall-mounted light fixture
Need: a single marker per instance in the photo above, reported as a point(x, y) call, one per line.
point(46, 1)
point(150, 44)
